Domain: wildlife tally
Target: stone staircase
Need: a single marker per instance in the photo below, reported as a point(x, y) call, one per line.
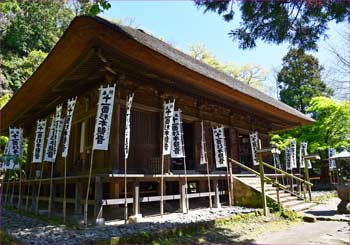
point(287, 200)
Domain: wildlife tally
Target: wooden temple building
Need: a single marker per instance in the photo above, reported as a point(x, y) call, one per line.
point(94, 52)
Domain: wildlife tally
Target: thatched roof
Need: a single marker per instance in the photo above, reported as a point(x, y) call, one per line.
point(84, 32)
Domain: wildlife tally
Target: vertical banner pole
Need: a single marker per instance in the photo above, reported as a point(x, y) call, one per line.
point(7, 185)
point(38, 196)
point(65, 191)
point(209, 188)
point(87, 190)
point(51, 189)
point(262, 181)
point(185, 168)
point(13, 185)
point(162, 189)
point(127, 134)
point(125, 192)
point(28, 187)
point(205, 158)
point(228, 187)
point(20, 186)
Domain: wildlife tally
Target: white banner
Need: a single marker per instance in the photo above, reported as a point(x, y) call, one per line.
point(302, 154)
point(68, 126)
point(293, 154)
point(39, 141)
point(104, 118)
point(288, 162)
point(49, 150)
point(203, 157)
point(220, 147)
point(14, 150)
point(177, 145)
point(331, 162)
point(254, 143)
point(58, 134)
point(167, 126)
point(127, 125)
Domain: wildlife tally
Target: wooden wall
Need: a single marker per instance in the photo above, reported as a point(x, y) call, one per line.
point(146, 127)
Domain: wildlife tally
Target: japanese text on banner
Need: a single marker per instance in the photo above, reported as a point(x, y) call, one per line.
point(331, 162)
point(203, 157)
point(254, 144)
point(167, 129)
point(127, 125)
point(10, 160)
point(104, 118)
point(220, 147)
point(39, 141)
point(67, 126)
point(288, 162)
point(49, 150)
point(176, 141)
point(302, 154)
point(293, 154)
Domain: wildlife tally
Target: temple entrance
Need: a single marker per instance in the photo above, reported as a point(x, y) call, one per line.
point(245, 152)
point(178, 163)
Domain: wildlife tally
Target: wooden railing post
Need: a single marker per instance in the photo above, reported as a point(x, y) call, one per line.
point(278, 194)
point(307, 177)
point(262, 182)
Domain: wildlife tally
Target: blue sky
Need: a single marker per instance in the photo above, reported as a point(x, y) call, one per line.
point(182, 24)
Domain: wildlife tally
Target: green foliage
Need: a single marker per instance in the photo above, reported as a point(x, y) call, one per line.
point(251, 74)
point(300, 23)
point(29, 30)
point(331, 129)
point(3, 100)
point(300, 80)
point(19, 69)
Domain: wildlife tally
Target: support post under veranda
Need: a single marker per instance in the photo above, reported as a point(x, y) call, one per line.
point(86, 207)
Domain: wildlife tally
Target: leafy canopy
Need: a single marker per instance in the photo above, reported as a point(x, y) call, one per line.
point(251, 74)
point(299, 80)
point(301, 23)
point(331, 129)
point(29, 30)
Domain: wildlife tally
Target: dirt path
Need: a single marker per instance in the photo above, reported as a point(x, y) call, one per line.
point(322, 232)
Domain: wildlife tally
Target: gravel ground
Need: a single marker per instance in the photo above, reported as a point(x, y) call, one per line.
point(32, 231)
point(316, 194)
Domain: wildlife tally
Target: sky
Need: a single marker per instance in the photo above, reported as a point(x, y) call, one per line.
point(181, 24)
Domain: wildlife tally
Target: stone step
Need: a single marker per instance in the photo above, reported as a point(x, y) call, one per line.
point(274, 195)
point(292, 203)
point(302, 206)
point(288, 199)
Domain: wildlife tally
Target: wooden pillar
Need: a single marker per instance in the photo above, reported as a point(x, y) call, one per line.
point(182, 190)
point(77, 206)
point(217, 203)
point(136, 198)
point(116, 133)
point(98, 198)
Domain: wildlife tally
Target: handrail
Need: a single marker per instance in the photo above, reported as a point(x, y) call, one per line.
point(288, 174)
point(267, 179)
